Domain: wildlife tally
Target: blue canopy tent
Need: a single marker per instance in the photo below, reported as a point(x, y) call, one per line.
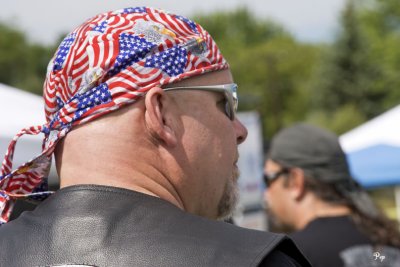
point(373, 152)
point(376, 166)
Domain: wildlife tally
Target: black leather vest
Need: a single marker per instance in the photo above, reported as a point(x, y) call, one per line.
point(106, 226)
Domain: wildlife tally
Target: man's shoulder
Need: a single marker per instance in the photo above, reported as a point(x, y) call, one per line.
point(140, 222)
point(268, 248)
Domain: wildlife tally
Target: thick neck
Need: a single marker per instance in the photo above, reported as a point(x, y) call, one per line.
point(107, 152)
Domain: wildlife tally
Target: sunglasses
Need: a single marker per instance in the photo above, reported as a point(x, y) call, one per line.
point(229, 91)
point(269, 178)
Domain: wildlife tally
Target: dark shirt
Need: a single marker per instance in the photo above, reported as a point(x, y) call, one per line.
point(323, 239)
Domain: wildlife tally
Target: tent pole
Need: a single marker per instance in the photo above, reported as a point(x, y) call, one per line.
point(397, 199)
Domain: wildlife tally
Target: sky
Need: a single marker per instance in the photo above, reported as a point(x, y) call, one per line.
point(45, 20)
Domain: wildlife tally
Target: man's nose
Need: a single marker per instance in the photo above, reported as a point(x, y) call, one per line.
point(241, 131)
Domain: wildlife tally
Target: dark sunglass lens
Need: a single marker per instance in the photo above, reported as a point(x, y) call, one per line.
point(266, 180)
point(270, 178)
point(228, 110)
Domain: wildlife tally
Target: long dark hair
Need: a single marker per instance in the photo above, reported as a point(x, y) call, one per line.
point(380, 229)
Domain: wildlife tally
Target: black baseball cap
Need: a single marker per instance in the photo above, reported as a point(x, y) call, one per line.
point(313, 149)
point(318, 153)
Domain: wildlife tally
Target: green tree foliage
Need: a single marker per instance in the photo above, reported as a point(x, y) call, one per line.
point(270, 66)
point(358, 77)
point(277, 72)
point(380, 20)
point(239, 28)
point(22, 64)
point(345, 78)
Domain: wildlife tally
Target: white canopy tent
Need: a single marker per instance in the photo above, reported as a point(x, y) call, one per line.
point(373, 152)
point(18, 110)
point(384, 129)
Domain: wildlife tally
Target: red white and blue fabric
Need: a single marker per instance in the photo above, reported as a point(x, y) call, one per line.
point(110, 61)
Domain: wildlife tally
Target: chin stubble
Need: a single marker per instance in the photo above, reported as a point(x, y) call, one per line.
point(229, 198)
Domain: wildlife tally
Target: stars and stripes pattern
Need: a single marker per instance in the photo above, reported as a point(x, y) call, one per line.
point(110, 61)
point(63, 51)
point(171, 61)
point(131, 49)
point(189, 22)
point(130, 10)
point(90, 99)
point(101, 27)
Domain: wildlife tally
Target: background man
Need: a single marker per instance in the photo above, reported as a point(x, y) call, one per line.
point(310, 191)
point(140, 108)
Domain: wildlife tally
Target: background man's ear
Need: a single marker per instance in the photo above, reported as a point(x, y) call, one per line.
point(158, 109)
point(297, 183)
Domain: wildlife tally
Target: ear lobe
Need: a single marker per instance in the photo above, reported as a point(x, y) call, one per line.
point(157, 116)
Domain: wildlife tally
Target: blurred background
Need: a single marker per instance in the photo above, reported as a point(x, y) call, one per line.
point(333, 63)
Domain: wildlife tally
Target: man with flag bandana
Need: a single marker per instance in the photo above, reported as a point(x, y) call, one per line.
point(140, 107)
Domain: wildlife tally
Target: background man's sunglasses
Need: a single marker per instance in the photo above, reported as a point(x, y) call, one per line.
point(269, 178)
point(229, 90)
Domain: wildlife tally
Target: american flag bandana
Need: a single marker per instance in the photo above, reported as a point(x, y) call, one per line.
point(110, 61)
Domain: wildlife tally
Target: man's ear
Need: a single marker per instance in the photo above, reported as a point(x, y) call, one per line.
point(297, 183)
point(158, 116)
